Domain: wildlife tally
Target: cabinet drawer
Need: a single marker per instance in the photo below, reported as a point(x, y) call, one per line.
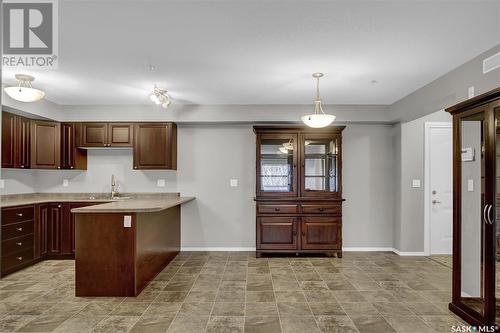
point(277, 209)
point(17, 244)
point(17, 230)
point(17, 214)
point(321, 209)
point(17, 259)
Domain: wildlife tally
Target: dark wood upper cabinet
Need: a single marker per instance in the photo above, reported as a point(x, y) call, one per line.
point(45, 144)
point(106, 135)
point(120, 135)
point(71, 156)
point(94, 135)
point(15, 141)
point(8, 140)
point(155, 146)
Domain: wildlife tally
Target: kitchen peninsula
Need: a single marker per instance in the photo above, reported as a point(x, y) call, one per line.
point(122, 245)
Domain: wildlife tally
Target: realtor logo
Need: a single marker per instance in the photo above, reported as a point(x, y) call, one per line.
point(30, 34)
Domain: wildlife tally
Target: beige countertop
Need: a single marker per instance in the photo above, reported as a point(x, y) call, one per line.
point(134, 205)
point(128, 203)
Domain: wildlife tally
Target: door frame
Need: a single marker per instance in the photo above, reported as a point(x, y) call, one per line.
point(427, 181)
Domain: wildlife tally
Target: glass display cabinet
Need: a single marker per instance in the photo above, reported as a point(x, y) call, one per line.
point(476, 190)
point(298, 189)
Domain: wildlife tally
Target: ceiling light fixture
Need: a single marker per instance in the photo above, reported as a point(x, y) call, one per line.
point(160, 96)
point(24, 92)
point(319, 118)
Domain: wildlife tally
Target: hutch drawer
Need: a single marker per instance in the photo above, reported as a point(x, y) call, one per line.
point(322, 209)
point(277, 209)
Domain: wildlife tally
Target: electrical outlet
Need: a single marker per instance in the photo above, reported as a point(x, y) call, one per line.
point(415, 183)
point(233, 182)
point(127, 221)
point(65, 183)
point(2, 183)
point(160, 183)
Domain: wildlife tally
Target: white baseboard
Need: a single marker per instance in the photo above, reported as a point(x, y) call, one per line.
point(346, 249)
point(218, 249)
point(403, 253)
point(368, 249)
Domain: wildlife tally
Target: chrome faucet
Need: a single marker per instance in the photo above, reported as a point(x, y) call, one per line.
point(114, 192)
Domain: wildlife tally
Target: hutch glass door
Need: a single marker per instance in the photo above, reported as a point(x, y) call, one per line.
point(277, 165)
point(474, 206)
point(320, 165)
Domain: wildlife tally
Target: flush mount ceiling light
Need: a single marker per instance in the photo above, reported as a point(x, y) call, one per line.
point(319, 118)
point(160, 96)
point(24, 92)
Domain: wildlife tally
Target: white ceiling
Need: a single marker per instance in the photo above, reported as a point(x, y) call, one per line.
point(261, 52)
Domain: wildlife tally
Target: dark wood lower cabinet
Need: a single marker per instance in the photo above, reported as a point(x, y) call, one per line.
point(296, 227)
point(55, 228)
point(320, 233)
point(277, 233)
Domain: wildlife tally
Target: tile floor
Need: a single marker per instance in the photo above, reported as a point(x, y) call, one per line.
point(235, 292)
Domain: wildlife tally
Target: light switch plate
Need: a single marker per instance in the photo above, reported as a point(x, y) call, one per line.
point(160, 183)
point(471, 92)
point(233, 182)
point(65, 183)
point(127, 221)
point(470, 185)
point(415, 183)
point(2, 183)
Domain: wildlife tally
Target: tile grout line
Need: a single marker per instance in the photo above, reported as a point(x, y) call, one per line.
point(177, 313)
point(216, 293)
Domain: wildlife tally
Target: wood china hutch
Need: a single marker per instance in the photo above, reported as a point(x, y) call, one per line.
point(299, 190)
point(476, 209)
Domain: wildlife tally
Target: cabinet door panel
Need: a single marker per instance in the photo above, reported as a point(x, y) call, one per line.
point(320, 165)
point(277, 164)
point(45, 144)
point(42, 218)
point(23, 144)
point(94, 134)
point(55, 229)
point(71, 156)
point(276, 233)
point(8, 139)
point(120, 134)
point(320, 233)
point(155, 146)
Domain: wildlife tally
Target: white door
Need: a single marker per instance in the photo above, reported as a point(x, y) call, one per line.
point(440, 187)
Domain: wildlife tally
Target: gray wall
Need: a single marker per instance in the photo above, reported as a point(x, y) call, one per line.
point(223, 216)
point(447, 90)
point(409, 235)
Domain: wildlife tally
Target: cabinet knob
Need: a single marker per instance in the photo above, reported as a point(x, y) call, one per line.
point(276, 209)
point(19, 229)
point(135, 167)
point(321, 209)
point(22, 166)
point(20, 258)
point(59, 206)
point(59, 167)
point(19, 214)
point(19, 243)
point(71, 167)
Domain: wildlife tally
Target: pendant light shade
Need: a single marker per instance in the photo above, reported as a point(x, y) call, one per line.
point(24, 92)
point(319, 118)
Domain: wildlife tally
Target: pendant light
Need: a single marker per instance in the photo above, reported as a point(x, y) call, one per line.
point(319, 118)
point(24, 92)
